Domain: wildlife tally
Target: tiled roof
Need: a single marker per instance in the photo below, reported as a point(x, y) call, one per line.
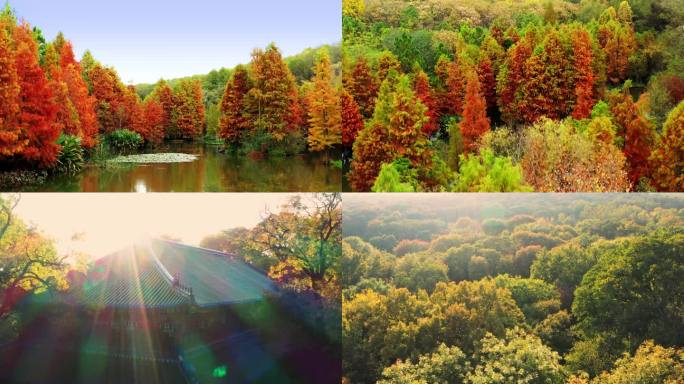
point(160, 273)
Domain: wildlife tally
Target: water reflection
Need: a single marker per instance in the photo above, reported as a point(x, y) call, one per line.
point(212, 172)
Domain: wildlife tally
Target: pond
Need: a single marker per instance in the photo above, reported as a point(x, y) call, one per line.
point(211, 172)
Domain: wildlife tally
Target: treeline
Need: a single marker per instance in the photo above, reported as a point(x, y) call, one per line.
point(48, 94)
point(302, 67)
point(580, 290)
point(490, 96)
point(264, 110)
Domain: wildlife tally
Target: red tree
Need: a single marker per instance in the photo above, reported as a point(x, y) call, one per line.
point(475, 122)
point(37, 117)
point(352, 121)
point(108, 91)
point(584, 84)
point(387, 62)
point(164, 95)
point(675, 87)
point(363, 86)
point(455, 87)
point(234, 117)
point(637, 132)
point(154, 121)
point(189, 109)
point(548, 87)
point(512, 77)
point(78, 94)
point(274, 94)
point(135, 112)
point(421, 87)
point(487, 79)
point(66, 119)
point(617, 38)
point(10, 131)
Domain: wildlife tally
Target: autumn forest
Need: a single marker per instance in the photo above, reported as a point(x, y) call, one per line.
point(491, 96)
point(59, 114)
point(514, 288)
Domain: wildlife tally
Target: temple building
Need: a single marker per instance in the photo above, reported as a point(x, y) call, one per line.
point(161, 312)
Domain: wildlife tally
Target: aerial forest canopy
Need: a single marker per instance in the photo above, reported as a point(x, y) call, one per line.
point(543, 95)
point(475, 289)
point(56, 111)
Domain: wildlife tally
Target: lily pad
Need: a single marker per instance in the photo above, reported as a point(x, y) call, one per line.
point(155, 158)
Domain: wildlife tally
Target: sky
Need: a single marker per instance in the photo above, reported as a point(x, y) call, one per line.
point(101, 223)
point(149, 39)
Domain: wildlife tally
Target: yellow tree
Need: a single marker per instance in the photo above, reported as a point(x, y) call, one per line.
point(325, 118)
point(353, 8)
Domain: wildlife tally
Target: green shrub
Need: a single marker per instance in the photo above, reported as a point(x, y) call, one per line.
point(123, 140)
point(389, 180)
point(291, 144)
point(489, 173)
point(257, 142)
point(70, 158)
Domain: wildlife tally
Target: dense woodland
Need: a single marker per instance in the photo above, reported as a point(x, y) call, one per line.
point(513, 289)
point(543, 95)
point(56, 110)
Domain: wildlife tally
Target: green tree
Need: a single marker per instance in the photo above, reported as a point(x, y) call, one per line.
point(389, 180)
point(634, 292)
point(517, 358)
point(488, 173)
point(536, 298)
point(446, 365)
point(651, 364)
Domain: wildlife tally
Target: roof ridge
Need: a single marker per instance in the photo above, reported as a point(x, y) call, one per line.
point(233, 256)
point(209, 250)
point(173, 281)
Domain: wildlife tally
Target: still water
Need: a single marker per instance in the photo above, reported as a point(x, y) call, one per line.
point(212, 172)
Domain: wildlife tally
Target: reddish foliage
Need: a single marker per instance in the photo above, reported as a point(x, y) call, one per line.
point(66, 55)
point(515, 77)
point(668, 157)
point(154, 121)
point(638, 142)
point(83, 103)
point(234, 119)
point(189, 109)
point(675, 87)
point(38, 111)
point(585, 78)
point(352, 121)
point(386, 63)
point(78, 94)
point(636, 130)
point(275, 93)
point(10, 131)
point(475, 122)
point(455, 88)
point(108, 92)
point(423, 92)
point(618, 41)
point(164, 94)
point(135, 114)
point(548, 87)
point(363, 86)
point(371, 150)
point(487, 81)
point(391, 135)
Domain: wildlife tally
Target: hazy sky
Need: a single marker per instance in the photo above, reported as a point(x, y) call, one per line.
point(107, 222)
point(148, 39)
